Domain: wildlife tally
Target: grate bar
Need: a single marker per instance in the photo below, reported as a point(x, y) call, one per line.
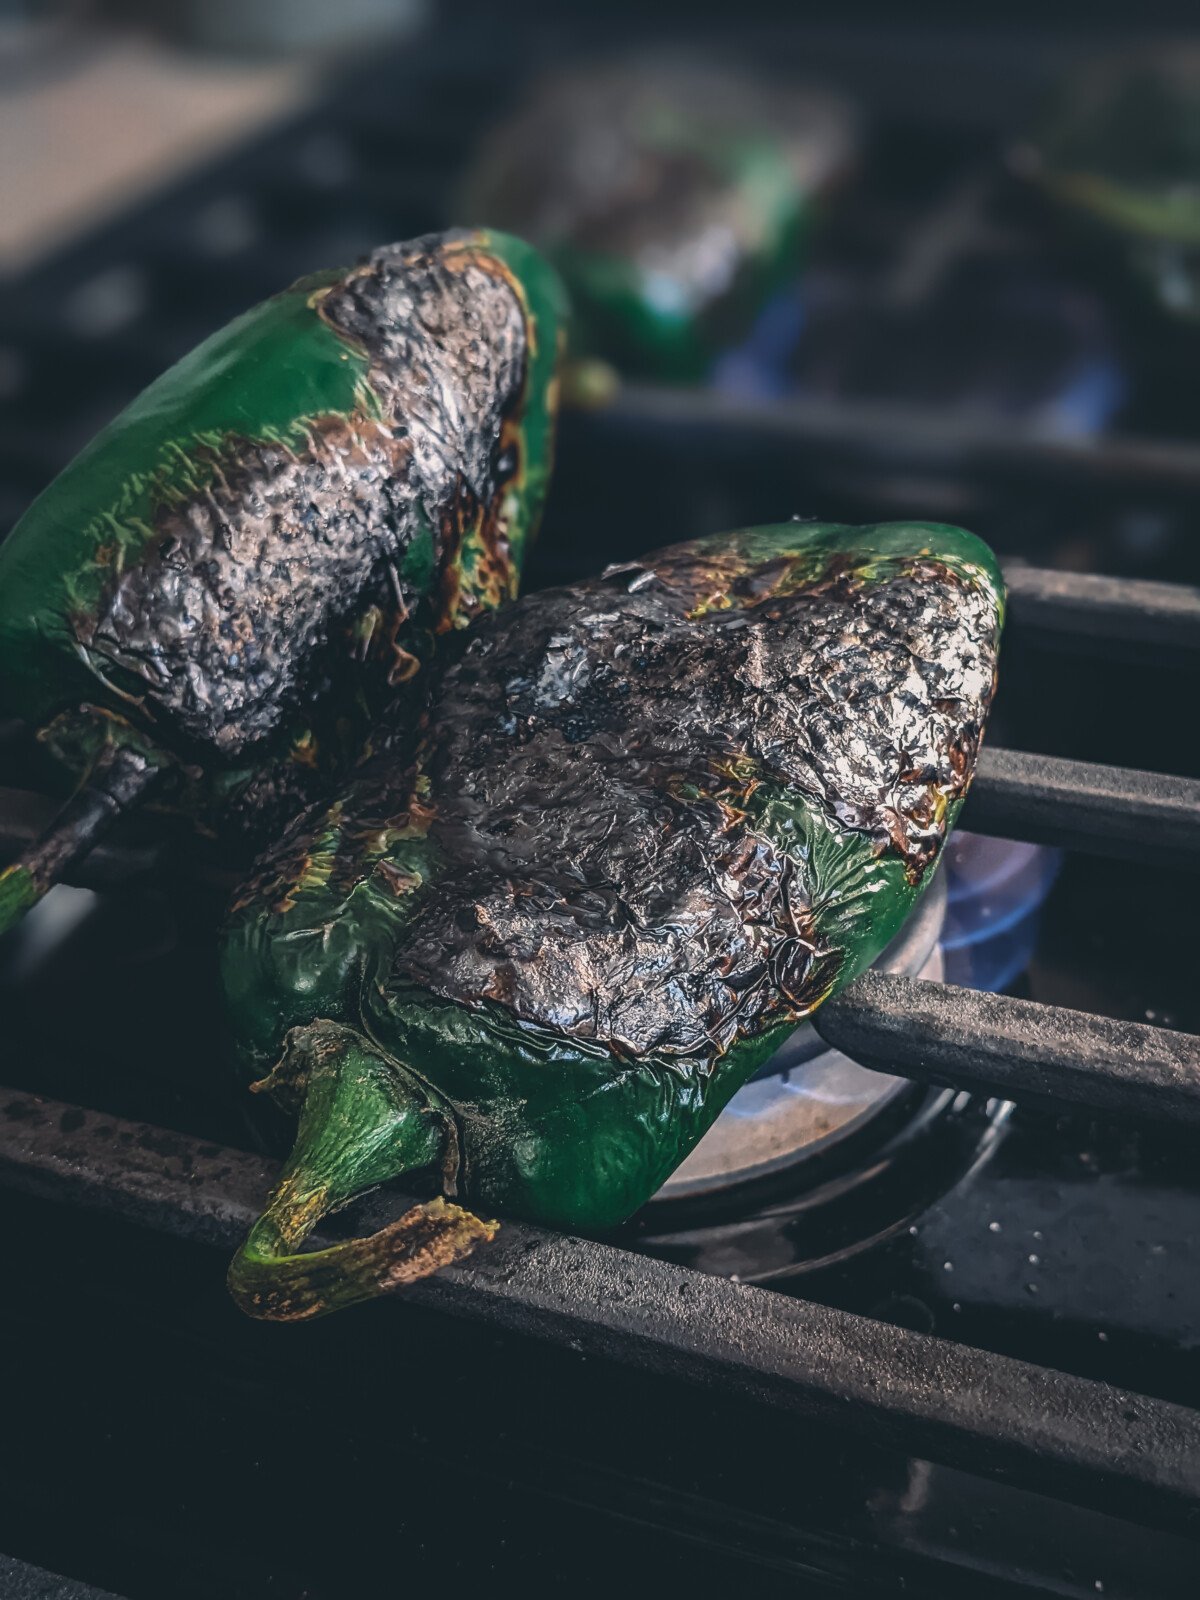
point(1129, 618)
point(889, 431)
point(1076, 1440)
point(1082, 805)
point(1014, 1048)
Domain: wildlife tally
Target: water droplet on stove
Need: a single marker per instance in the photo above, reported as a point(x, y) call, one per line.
point(993, 1227)
point(1037, 1233)
point(1098, 1586)
point(1035, 1261)
point(1102, 1336)
point(735, 1277)
point(1158, 1249)
point(914, 1230)
point(956, 1306)
point(947, 1266)
point(1031, 1288)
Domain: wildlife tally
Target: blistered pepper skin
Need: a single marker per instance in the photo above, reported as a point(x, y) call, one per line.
point(655, 820)
point(243, 571)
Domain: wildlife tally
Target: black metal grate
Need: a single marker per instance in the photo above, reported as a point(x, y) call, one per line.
point(1075, 1439)
point(1083, 1442)
point(377, 161)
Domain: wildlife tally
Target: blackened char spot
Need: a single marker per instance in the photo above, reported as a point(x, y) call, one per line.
point(249, 600)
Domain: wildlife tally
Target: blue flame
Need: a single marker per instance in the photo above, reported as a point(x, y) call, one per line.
point(995, 891)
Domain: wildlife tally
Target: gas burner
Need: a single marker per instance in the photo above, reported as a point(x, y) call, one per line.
point(976, 925)
point(818, 1158)
point(807, 1098)
point(830, 1205)
point(995, 890)
point(1005, 340)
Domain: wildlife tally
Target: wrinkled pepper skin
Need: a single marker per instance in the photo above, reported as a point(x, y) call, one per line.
point(1119, 154)
point(655, 819)
point(673, 199)
point(243, 571)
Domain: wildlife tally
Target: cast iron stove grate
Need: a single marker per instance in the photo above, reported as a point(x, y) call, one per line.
point(1082, 1442)
point(720, 1369)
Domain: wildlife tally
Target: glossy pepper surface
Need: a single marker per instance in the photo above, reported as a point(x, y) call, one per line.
point(655, 819)
point(674, 198)
point(247, 567)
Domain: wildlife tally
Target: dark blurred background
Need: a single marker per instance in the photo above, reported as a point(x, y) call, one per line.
point(938, 327)
point(952, 342)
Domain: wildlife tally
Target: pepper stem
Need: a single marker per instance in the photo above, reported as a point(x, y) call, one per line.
point(119, 778)
point(363, 1121)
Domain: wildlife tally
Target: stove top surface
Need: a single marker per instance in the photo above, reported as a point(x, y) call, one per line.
point(143, 1409)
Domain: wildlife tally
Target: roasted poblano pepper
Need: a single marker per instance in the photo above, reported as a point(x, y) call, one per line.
point(654, 820)
point(674, 200)
point(243, 571)
point(1119, 152)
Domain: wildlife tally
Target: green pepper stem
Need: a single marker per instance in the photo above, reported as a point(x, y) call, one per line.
point(364, 1121)
point(118, 780)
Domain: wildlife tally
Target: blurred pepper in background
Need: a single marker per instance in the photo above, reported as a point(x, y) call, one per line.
point(673, 197)
point(1119, 153)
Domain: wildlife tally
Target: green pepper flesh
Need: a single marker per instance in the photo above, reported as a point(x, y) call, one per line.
point(241, 574)
point(654, 821)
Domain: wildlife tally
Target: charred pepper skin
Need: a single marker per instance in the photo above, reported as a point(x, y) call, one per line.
point(655, 819)
point(242, 572)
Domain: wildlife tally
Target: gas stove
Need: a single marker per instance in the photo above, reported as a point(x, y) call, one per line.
point(918, 1316)
point(977, 924)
